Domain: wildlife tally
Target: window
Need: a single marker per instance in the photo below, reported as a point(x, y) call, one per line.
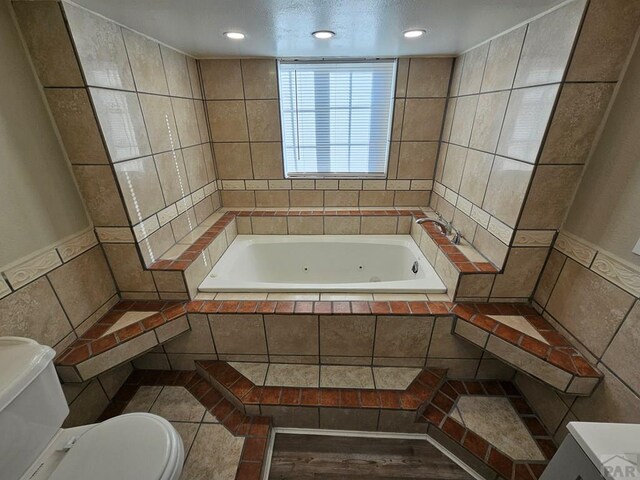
point(336, 117)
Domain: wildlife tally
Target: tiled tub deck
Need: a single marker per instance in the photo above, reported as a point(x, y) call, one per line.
point(331, 332)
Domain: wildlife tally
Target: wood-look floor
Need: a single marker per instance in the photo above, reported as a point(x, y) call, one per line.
point(303, 457)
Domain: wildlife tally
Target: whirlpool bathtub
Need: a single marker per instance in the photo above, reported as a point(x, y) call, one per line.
point(323, 263)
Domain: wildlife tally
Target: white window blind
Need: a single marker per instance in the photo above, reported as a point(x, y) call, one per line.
point(336, 117)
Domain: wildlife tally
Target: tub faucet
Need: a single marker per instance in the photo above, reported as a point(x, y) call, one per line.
point(445, 227)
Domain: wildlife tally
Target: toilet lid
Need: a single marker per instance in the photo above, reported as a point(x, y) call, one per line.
point(137, 446)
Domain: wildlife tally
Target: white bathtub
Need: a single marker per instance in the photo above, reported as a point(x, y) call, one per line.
point(323, 263)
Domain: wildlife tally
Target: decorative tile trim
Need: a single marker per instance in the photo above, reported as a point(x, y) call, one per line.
point(115, 235)
point(309, 184)
point(618, 273)
point(533, 238)
point(243, 393)
point(77, 245)
point(501, 231)
point(575, 248)
point(438, 413)
point(35, 267)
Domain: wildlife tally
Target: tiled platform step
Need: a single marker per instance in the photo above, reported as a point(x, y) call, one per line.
point(367, 409)
point(254, 430)
point(490, 423)
point(520, 337)
point(126, 331)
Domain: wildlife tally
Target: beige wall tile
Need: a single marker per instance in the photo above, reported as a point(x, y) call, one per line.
point(175, 68)
point(488, 121)
point(402, 77)
point(306, 198)
point(195, 166)
point(260, 78)
point(475, 286)
point(402, 336)
point(100, 193)
point(476, 176)
point(398, 116)
point(429, 77)
point(378, 225)
point(552, 269)
point(605, 39)
point(588, 306)
point(613, 401)
point(83, 284)
point(490, 247)
point(233, 160)
point(172, 174)
point(201, 117)
point(188, 129)
point(269, 225)
point(340, 198)
point(369, 198)
point(156, 244)
point(169, 281)
point(195, 273)
point(550, 196)
point(34, 312)
point(417, 159)
point(305, 225)
point(238, 199)
point(458, 64)
point(465, 110)
point(473, 70)
point(502, 61)
point(521, 273)
point(222, 79)
point(159, 120)
point(454, 166)
point(292, 335)
point(45, 33)
point(423, 119)
point(346, 335)
point(263, 117)
point(506, 189)
point(341, 225)
point(267, 160)
point(146, 63)
point(121, 122)
point(228, 121)
point(411, 199)
point(526, 121)
point(87, 406)
point(140, 187)
point(548, 45)
point(101, 49)
point(127, 269)
point(77, 125)
point(198, 340)
point(579, 113)
point(445, 345)
point(621, 355)
point(272, 198)
point(238, 334)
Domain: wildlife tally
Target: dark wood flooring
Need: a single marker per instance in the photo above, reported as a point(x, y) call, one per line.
point(303, 457)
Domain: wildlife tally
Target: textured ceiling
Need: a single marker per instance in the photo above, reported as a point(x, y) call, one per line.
point(282, 28)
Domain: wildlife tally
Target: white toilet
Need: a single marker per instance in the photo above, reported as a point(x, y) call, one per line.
point(137, 446)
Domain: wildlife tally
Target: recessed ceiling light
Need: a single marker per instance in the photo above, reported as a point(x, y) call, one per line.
point(414, 33)
point(324, 34)
point(234, 35)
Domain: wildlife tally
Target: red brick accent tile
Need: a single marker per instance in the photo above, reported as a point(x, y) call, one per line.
point(254, 449)
point(476, 444)
point(399, 308)
point(492, 387)
point(474, 388)
point(304, 307)
point(98, 346)
point(439, 308)
point(389, 399)
point(241, 387)
point(453, 429)
point(419, 308)
point(534, 347)
point(500, 463)
point(329, 397)
point(360, 308)
point(174, 311)
point(521, 406)
point(341, 308)
point(210, 306)
point(153, 321)
point(266, 307)
point(534, 425)
point(323, 308)
point(521, 472)
point(270, 395)
point(248, 471)
point(129, 332)
point(349, 398)
point(247, 307)
point(369, 399)
point(285, 307)
point(229, 306)
point(537, 469)
point(310, 397)
point(433, 415)
point(507, 333)
point(290, 396)
point(379, 308)
point(547, 446)
point(409, 401)
point(260, 427)
point(210, 399)
point(443, 402)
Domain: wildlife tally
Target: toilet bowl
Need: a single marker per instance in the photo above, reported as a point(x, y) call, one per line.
point(135, 446)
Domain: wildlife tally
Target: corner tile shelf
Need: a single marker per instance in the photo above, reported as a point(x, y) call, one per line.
point(442, 412)
point(456, 256)
point(126, 331)
point(254, 429)
point(251, 398)
point(535, 348)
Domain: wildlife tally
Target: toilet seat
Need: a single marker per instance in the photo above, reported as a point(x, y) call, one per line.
point(136, 446)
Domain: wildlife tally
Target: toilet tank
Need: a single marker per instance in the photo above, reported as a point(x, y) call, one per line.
point(32, 405)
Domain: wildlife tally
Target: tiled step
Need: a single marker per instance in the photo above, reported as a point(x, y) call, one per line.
point(520, 337)
point(349, 407)
point(128, 330)
point(254, 430)
point(489, 424)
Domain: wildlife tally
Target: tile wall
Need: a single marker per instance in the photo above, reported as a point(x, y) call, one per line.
point(131, 117)
point(523, 113)
point(243, 110)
